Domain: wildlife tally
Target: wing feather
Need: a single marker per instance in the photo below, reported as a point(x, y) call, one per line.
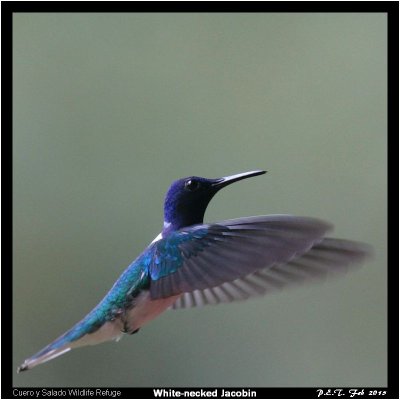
point(206, 256)
point(330, 257)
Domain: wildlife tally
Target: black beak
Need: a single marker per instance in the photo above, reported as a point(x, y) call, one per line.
point(227, 180)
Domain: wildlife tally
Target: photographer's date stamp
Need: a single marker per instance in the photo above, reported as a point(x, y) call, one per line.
point(350, 393)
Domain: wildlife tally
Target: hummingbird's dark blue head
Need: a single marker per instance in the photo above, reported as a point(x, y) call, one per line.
point(187, 198)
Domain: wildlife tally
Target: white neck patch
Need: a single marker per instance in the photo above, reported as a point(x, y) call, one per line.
point(166, 224)
point(160, 236)
point(157, 238)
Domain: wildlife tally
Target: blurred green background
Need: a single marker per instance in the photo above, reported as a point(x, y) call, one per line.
point(110, 108)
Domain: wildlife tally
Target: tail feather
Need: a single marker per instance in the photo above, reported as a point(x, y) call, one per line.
point(79, 335)
point(41, 358)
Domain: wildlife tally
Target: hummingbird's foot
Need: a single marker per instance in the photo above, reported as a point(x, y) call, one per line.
point(127, 330)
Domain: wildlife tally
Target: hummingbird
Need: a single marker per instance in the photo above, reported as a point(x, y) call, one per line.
point(192, 263)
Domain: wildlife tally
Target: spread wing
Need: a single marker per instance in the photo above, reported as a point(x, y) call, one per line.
point(208, 256)
point(329, 258)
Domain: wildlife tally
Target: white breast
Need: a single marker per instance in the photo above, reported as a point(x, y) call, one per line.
point(146, 309)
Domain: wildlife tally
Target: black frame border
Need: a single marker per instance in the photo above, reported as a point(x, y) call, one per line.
point(389, 7)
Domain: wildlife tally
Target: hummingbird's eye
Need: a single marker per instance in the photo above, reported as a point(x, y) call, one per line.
point(192, 185)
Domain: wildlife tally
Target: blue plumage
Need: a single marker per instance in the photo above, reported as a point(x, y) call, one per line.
point(192, 264)
point(167, 253)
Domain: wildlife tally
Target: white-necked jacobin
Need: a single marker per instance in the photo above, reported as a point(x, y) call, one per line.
point(191, 263)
